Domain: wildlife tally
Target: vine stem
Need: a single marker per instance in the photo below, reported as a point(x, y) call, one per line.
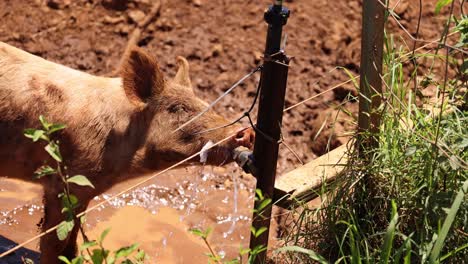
point(67, 193)
point(413, 58)
point(444, 86)
point(211, 250)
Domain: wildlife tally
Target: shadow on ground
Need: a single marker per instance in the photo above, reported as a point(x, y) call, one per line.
point(17, 256)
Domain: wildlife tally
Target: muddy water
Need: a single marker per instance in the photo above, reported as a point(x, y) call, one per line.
point(157, 215)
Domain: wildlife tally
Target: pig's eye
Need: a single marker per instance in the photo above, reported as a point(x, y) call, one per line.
point(177, 109)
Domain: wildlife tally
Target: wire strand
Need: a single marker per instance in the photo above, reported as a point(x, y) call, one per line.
point(259, 86)
point(219, 98)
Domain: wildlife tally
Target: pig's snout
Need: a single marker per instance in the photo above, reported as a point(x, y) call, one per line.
point(245, 138)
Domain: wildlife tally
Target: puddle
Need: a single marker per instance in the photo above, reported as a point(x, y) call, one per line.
point(157, 215)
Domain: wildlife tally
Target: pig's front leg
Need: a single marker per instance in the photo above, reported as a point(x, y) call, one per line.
point(70, 249)
point(51, 247)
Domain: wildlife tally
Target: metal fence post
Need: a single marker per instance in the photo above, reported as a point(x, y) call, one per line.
point(270, 114)
point(373, 13)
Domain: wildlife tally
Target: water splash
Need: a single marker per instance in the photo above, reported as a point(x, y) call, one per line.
point(235, 202)
point(151, 197)
point(9, 217)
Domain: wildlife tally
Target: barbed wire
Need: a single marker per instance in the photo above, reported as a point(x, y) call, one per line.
point(405, 30)
point(212, 104)
point(252, 105)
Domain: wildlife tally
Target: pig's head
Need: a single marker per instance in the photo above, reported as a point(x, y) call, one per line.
point(168, 104)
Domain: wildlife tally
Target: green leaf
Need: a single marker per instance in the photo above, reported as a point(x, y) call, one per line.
point(462, 27)
point(44, 171)
point(80, 180)
point(200, 233)
point(243, 251)
point(389, 236)
point(351, 76)
point(44, 122)
point(404, 250)
point(407, 259)
point(263, 204)
point(258, 249)
point(78, 260)
point(54, 151)
point(441, 4)
point(253, 230)
point(70, 201)
point(56, 127)
point(434, 257)
point(64, 259)
point(103, 235)
point(260, 231)
point(255, 251)
point(34, 134)
point(125, 251)
point(197, 232)
point(98, 256)
point(87, 245)
point(64, 228)
point(259, 194)
point(141, 255)
point(208, 232)
point(110, 259)
point(312, 254)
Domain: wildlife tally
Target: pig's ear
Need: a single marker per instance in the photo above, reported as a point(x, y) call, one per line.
point(141, 77)
point(182, 76)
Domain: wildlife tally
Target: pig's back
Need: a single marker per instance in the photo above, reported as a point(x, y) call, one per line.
point(30, 86)
point(22, 69)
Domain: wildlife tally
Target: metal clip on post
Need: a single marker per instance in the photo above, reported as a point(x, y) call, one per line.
point(244, 158)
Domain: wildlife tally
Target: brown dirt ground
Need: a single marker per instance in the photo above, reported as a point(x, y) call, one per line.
point(222, 40)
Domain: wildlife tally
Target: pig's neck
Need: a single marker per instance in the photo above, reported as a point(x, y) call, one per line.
point(108, 131)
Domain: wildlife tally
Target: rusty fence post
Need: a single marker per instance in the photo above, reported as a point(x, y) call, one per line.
point(270, 114)
point(373, 13)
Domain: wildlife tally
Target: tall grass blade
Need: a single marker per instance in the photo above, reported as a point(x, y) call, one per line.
point(312, 254)
point(434, 257)
point(355, 247)
point(389, 236)
point(453, 252)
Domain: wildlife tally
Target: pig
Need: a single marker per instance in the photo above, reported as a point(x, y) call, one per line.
point(117, 128)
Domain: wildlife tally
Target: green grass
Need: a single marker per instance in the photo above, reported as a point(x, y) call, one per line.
point(408, 203)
